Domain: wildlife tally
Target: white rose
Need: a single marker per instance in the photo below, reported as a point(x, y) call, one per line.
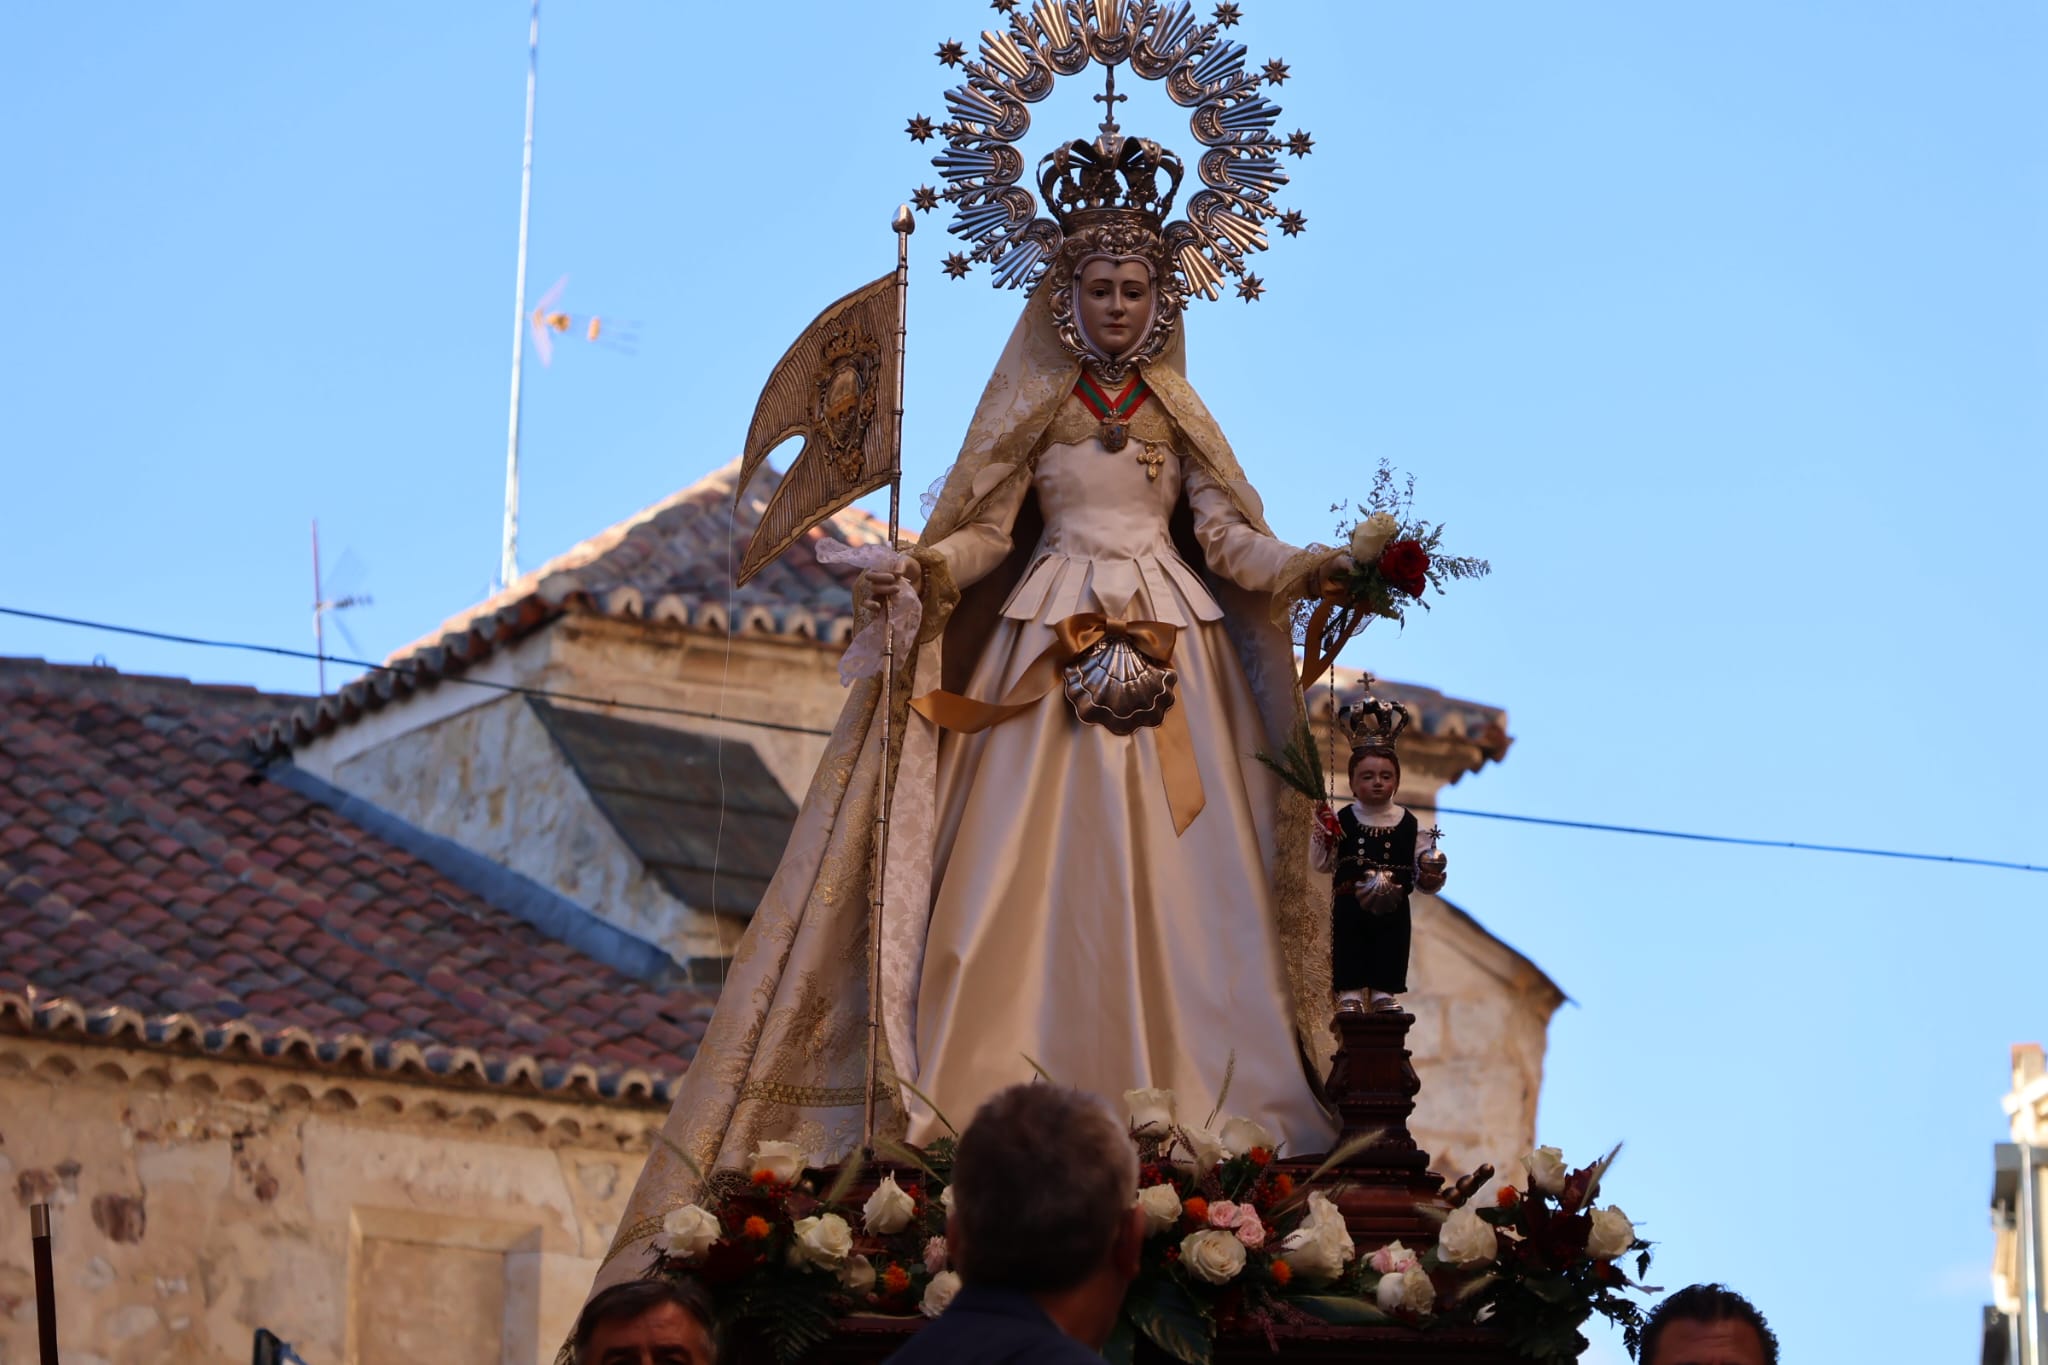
point(946, 1199)
point(688, 1233)
point(1212, 1255)
point(1161, 1204)
point(1240, 1135)
point(1408, 1290)
point(939, 1293)
point(1321, 1246)
point(1546, 1170)
point(1467, 1239)
point(888, 1209)
point(1200, 1150)
point(858, 1274)
point(782, 1160)
point(822, 1241)
point(1612, 1234)
point(1370, 537)
point(1151, 1111)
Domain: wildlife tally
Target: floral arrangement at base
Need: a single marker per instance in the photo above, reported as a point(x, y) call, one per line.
point(1234, 1245)
point(1396, 558)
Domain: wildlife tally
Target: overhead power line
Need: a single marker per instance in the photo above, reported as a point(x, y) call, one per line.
point(405, 671)
point(545, 694)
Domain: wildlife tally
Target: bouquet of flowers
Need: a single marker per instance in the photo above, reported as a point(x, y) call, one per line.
point(783, 1257)
point(1395, 559)
point(1234, 1244)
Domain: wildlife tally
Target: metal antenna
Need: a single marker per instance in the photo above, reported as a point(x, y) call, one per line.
point(508, 561)
point(322, 606)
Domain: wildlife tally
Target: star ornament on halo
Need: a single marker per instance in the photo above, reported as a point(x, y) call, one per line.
point(919, 128)
point(1301, 144)
point(1251, 288)
point(1004, 5)
point(1292, 222)
point(1228, 15)
point(1276, 71)
point(950, 53)
point(925, 198)
point(956, 265)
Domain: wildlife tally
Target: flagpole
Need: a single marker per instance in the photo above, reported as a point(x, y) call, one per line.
point(905, 224)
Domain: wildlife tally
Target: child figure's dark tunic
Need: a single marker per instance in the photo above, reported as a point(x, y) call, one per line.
point(1369, 947)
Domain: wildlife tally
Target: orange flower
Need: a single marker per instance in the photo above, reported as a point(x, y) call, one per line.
point(1260, 1156)
point(755, 1227)
point(764, 1177)
point(1283, 1184)
point(1507, 1196)
point(1196, 1208)
point(895, 1280)
point(1282, 1273)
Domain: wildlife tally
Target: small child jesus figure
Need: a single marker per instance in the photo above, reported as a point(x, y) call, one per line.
point(1376, 854)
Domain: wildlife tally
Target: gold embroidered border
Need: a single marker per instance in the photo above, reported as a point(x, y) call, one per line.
point(804, 1096)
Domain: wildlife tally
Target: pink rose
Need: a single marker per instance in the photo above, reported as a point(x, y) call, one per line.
point(1251, 1231)
point(1392, 1259)
point(1224, 1214)
point(935, 1255)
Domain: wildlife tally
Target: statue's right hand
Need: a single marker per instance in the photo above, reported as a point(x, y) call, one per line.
point(906, 575)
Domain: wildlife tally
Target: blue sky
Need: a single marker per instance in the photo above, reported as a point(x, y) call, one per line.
point(1718, 329)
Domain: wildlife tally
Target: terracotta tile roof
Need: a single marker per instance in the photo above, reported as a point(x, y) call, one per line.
point(671, 562)
point(160, 884)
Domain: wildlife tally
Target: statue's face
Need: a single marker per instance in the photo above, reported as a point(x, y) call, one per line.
point(1114, 302)
point(1374, 779)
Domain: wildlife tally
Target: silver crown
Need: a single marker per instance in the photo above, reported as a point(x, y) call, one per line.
point(1200, 69)
point(1372, 722)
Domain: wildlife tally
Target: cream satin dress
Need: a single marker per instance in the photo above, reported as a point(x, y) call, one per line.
point(1069, 923)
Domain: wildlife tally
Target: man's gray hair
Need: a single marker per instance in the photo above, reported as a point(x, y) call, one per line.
point(1043, 1177)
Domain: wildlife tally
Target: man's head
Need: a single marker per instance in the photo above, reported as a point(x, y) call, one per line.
point(646, 1322)
point(1707, 1324)
point(1043, 1188)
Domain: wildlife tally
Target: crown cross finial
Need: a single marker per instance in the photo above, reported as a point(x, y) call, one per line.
point(1109, 99)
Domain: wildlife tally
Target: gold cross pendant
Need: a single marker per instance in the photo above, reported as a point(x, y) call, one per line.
point(1153, 458)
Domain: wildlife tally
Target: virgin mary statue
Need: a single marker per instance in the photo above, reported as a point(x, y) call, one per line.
point(1087, 868)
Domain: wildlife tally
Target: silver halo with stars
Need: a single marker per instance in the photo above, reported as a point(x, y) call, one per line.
point(1201, 69)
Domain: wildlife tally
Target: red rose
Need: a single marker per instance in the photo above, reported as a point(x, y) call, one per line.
point(1405, 564)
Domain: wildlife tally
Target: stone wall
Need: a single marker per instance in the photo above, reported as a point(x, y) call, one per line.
point(486, 774)
point(365, 1222)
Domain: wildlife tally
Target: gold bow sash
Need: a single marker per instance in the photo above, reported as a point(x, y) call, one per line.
point(1072, 638)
